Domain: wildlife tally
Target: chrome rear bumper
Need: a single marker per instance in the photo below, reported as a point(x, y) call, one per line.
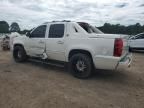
point(125, 62)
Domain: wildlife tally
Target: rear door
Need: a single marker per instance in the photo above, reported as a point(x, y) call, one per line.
point(36, 42)
point(55, 44)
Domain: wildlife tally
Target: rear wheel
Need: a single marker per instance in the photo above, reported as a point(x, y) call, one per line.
point(19, 54)
point(81, 65)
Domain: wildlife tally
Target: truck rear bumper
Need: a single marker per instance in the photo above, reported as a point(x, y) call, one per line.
point(124, 62)
point(112, 63)
point(105, 62)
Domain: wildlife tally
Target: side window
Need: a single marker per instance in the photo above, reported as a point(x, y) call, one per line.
point(56, 31)
point(141, 36)
point(39, 32)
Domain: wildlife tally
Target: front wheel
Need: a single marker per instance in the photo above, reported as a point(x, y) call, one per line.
point(19, 54)
point(80, 65)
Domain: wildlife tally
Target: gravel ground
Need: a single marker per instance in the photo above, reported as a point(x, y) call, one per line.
point(33, 85)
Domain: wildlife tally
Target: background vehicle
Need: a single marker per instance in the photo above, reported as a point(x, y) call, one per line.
point(137, 42)
point(5, 42)
point(80, 45)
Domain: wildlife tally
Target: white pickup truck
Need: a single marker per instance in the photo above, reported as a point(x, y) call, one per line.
point(79, 44)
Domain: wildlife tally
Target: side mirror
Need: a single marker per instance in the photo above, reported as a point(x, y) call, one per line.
point(28, 34)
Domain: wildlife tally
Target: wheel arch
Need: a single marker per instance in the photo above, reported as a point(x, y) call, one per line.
point(18, 44)
point(76, 51)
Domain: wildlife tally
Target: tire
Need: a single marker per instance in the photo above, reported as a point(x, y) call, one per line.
point(3, 48)
point(19, 54)
point(130, 49)
point(80, 66)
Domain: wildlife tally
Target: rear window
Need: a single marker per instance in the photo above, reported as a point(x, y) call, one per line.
point(89, 28)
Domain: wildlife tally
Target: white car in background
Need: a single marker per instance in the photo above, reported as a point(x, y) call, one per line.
point(5, 42)
point(137, 42)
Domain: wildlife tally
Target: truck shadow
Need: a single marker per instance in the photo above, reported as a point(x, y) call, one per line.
point(98, 75)
point(46, 66)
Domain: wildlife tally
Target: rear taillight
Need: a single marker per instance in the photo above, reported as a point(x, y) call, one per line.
point(118, 47)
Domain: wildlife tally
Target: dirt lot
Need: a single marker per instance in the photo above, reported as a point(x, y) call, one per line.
point(33, 85)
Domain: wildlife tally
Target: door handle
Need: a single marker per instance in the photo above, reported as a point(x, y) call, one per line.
point(60, 42)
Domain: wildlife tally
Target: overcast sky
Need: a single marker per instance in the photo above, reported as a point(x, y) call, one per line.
point(30, 13)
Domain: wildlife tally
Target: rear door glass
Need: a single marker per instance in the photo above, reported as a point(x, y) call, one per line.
point(56, 31)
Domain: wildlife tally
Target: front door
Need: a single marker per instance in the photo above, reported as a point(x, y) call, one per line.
point(35, 43)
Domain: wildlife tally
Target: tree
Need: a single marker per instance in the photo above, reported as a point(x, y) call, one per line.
point(120, 29)
point(14, 27)
point(4, 27)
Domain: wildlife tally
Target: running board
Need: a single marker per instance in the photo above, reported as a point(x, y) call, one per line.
point(48, 62)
